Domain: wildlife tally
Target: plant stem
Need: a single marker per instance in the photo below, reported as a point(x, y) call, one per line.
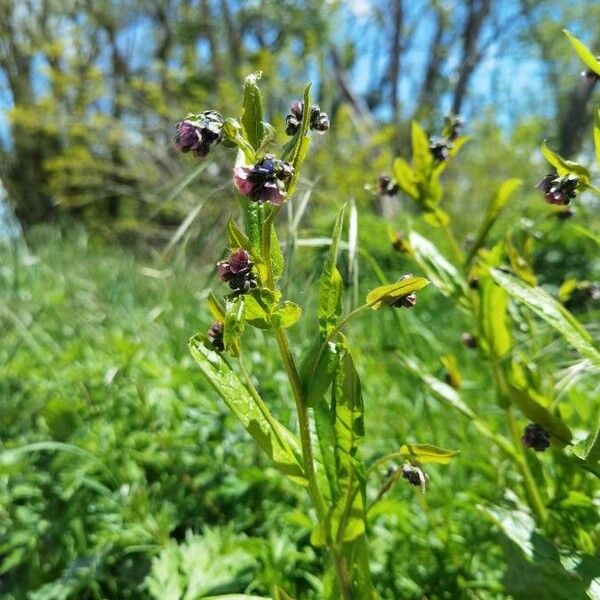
point(303, 423)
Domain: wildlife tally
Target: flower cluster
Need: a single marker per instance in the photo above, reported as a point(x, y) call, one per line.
point(535, 437)
point(318, 120)
point(440, 146)
point(197, 134)
point(266, 181)
point(215, 336)
point(559, 190)
point(237, 271)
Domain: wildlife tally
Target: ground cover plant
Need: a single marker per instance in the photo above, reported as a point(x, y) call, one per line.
point(406, 416)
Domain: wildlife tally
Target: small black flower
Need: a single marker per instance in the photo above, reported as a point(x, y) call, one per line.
point(318, 120)
point(469, 340)
point(387, 186)
point(237, 271)
point(440, 148)
point(535, 437)
point(215, 336)
point(558, 190)
point(199, 133)
point(414, 475)
point(265, 181)
point(408, 301)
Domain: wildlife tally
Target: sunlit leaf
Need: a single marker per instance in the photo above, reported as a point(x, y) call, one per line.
point(280, 444)
point(494, 305)
point(547, 308)
point(385, 295)
point(427, 453)
point(405, 177)
point(287, 315)
point(584, 53)
point(422, 158)
point(565, 167)
point(252, 113)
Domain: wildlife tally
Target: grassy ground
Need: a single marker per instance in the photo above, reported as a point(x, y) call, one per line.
point(123, 476)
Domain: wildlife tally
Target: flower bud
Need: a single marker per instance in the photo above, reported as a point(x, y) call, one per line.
point(558, 190)
point(469, 340)
point(237, 271)
point(440, 148)
point(387, 186)
point(319, 121)
point(265, 181)
point(414, 475)
point(215, 336)
point(408, 301)
point(535, 437)
point(199, 133)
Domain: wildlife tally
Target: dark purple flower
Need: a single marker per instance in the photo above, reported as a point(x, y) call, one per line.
point(469, 340)
point(318, 120)
point(440, 148)
point(414, 475)
point(237, 271)
point(197, 133)
point(535, 437)
point(387, 186)
point(215, 336)
point(558, 190)
point(407, 301)
point(266, 181)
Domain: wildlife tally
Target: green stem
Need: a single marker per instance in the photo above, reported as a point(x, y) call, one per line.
point(303, 423)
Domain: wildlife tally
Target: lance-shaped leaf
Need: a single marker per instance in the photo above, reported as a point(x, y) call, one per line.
point(406, 178)
point(427, 453)
point(494, 306)
point(385, 295)
point(422, 158)
point(317, 370)
point(444, 275)
point(234, 325)
point(547, 308)
point(584, 53)
point(237, 238)
point(498, 202)
point(252, 113)
point(216, 309)
point(280, 444)
point(330, 284)
point(532, 406)
point(343, 424)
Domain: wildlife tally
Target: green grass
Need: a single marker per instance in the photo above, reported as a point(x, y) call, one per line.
point(115, 453)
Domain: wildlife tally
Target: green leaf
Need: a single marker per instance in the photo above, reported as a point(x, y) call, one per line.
point(551, 311)
point(215, 308)
point(280, 444)
point(499, 201)
point(422, 158)
point(357, 557)
point(233, 325)
point(252, 113)
point(287, 316)
point(444, 275)
point(436, 217)
point(427, 453)
point(277, 260)
point(385, 295)
point(330, 284)
point(592, 453)
point(406, 177)
point(494, 305)
point(584, 53)
point(597, 134)
point(317, 370)
point(324, 423)
point(237, 239)
point(518, 263)
point(259, 306)
point(532, 406)
point(253, 223)
point(565, 167)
